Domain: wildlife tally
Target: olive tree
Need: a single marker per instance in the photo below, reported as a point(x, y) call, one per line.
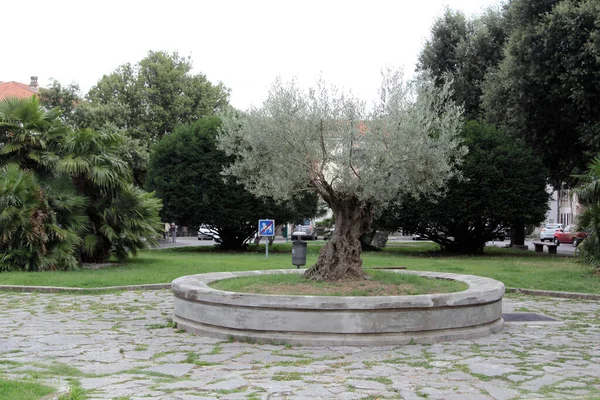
point(358, 160)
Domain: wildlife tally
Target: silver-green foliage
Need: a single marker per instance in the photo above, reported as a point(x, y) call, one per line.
point(330, 141)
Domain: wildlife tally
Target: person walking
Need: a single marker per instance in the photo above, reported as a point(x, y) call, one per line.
point(173, 231)
point(167, 230)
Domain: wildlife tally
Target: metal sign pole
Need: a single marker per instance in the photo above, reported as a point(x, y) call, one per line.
point(267, 249)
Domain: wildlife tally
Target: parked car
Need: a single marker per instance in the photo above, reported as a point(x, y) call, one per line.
point(205, 232)
point(501, 235)
point(304, 230)
point(417, 236)
point(548, 231)
point(569, 235)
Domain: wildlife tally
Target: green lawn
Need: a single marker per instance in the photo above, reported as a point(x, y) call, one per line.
point(23, 390)
point(527, 270)
point(381, 283)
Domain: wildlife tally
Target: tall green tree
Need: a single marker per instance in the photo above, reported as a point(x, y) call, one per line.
point(501, 182)
point(465, 48)
point(185, 170)
point(66, 97)
point(547, 88)
point(149, 99)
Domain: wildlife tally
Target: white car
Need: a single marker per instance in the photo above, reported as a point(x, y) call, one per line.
point(548, 231)
point(207, 233)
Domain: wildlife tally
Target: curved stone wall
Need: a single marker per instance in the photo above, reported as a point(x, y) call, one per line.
point(328, 320)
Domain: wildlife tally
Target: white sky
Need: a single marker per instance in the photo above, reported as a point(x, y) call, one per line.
point(244, 44)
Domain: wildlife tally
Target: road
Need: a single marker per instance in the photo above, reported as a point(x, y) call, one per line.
point(564, 249)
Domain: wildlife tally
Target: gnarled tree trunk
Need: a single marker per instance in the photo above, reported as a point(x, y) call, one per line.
point(340, 258)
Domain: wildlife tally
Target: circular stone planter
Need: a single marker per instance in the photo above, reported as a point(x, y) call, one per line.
point(329, 320)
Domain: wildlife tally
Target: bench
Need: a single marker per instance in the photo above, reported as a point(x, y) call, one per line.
point(539, 247)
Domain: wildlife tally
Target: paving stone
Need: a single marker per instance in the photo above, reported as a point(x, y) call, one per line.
point(87, 333)
point(498, 392)
point(313, 391)
point(459, 376)
point(230, 384)
point(536, 384)
point(362, 384)
point(490, 369)
point(171, 369)
point(518, 378)
point(571, 384)
point(93, 383)
point(579, 392)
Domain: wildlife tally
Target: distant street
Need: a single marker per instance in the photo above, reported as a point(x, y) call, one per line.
point(564, 249)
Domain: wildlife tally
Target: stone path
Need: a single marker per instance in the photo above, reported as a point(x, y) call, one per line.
point(122, 346)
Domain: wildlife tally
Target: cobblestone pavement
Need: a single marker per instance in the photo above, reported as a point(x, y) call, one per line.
point(123, 346)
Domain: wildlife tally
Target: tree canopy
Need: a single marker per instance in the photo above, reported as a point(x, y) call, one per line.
point(546, 90)
point(358, 161)
point(185, 170)
point(501, 182)
point(149, 99)
point(466, 48)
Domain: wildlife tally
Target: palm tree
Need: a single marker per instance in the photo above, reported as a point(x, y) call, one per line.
point(59, 184)
point(29, 134)
point(589, 220)
point(40, 223)
point(122, 218)
point(41, 219)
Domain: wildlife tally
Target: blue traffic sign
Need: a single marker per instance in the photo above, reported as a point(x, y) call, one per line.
point(266, 227)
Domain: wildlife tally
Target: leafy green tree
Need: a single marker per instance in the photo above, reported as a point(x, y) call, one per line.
point(588, 193)
point(65, 97)
point(149, 99)
point(547, 88)
point(358, 161)
point(501, 182)
point(466, 49)
point(185, 170)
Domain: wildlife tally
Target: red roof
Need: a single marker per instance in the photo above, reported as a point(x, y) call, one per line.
point(15, 89)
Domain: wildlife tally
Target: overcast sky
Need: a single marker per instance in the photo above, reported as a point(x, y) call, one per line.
point(244, 44)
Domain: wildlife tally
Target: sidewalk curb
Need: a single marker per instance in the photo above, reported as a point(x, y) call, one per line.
point(550, 293)
point(160, 286)
point(59, 289)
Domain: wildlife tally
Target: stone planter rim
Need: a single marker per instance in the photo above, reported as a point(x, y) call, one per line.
point(480, 290)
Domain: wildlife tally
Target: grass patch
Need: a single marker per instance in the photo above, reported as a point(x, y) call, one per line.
point(287, 376)
point(23, 390)
point(381, 283)
point(519, 269)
